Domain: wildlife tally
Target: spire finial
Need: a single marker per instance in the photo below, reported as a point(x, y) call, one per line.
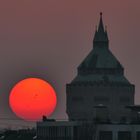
point(101, 26)
point(101, 14)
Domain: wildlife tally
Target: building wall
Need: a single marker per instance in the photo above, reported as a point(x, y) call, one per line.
point(118, 131)
point(64, 131)
point(87, 131)
point(82, 99)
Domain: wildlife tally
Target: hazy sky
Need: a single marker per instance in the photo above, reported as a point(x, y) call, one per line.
point(50, 38)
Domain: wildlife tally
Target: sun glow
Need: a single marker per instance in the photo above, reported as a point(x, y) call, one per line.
point(32, 98)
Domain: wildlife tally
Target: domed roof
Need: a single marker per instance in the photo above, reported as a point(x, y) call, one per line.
point(101, 65)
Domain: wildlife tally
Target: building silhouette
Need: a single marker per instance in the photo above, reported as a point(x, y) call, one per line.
point(21, 134)
point(100, 100)
point(100, 81)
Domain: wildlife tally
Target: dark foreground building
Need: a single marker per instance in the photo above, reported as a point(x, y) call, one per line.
point(100, 100)
point(100, 80)
point(22, 134)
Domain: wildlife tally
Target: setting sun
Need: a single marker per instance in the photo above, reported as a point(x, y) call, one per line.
point(32, 98)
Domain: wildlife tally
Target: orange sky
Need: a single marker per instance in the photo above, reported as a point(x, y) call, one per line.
point(50, 38)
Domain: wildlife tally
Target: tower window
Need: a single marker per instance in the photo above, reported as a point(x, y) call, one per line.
point(76, 98)
point(124, 135)
point(124, 99)
point(105, 135)
point(138, 135)
point(101, 99)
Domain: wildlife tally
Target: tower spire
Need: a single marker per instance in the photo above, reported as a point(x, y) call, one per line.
point(101, 34)
point(101, 25)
